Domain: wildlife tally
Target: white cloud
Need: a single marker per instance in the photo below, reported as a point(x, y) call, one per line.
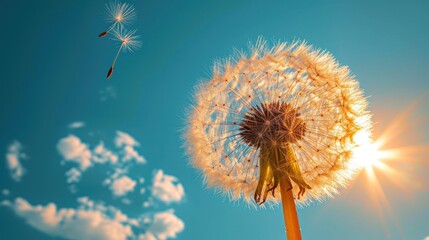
point(72, 149)
point(75, 125)
point(146, 204)
point(147, 236)
point(124, 139)
point(85, 222)
point(13, 160)
point(103, 155)
point(426, 238)
point(127, 143)
point(122, 185)
point(5, 192)
point(91, 220)
point(126, 201)
point(118, 172)
point(166, 188)
point(107, 93)
point(130, 153)
point(73, 175)
point(73, 188)
point(164, 225)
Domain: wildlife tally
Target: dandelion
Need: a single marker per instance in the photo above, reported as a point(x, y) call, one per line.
point(129, 42)
point(119, 14)
point(287, 116)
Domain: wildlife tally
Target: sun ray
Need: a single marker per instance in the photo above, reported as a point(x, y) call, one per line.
point(377, 160)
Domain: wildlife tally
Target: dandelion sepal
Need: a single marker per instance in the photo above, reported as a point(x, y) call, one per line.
point(278, 162)
point(282, 159)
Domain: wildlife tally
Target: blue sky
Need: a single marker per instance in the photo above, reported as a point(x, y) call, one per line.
point(53, 74)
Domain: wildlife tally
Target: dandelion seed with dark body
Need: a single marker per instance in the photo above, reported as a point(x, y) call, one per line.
point(119, 14)
point(128, 42)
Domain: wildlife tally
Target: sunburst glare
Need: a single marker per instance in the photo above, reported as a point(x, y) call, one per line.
point(377, 160)
point(375, 155)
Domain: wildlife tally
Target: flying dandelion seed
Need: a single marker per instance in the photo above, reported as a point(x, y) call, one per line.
point(282, 116)
point(129, 42)
point(119, 14)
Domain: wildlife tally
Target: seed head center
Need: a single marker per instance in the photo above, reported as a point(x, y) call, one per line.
point(272, 123)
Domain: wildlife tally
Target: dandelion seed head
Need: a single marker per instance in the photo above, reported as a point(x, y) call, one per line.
point(127, 38)
point(290, 93)
point(121, 13)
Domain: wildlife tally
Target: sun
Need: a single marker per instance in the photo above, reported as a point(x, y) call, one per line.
point(374, 154)
point(385, 163)
point(370, 154)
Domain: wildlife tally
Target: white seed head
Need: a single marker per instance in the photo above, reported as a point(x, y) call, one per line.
point(127, 38)
point(121, 13)
point(326, 111)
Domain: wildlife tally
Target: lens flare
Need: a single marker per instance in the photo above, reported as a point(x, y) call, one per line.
point(378, 162)
point(376, 156)
point(370, 154)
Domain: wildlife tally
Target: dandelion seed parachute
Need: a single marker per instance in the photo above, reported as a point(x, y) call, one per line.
point(118, 14)
point(129, 42)
point(127, 38)
point(322, 111)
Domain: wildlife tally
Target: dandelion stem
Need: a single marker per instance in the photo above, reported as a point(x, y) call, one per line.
point(283, 164)
point(109, 73)
point(117, 54)
point(103, 34)
point(111, 27)
point(293, 231)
